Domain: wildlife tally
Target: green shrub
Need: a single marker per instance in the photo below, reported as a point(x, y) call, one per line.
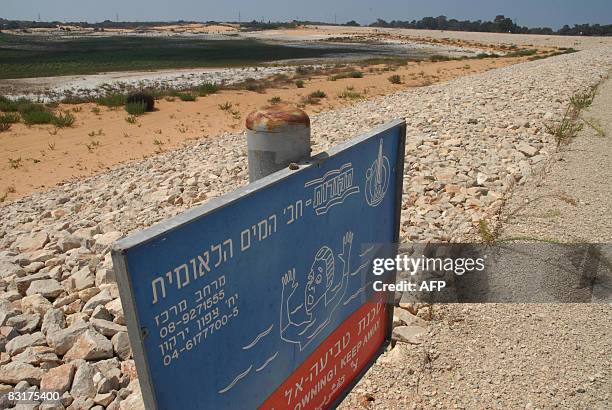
point(438, 57)
point(186, 97)
point(72, 99)
point(10, 118)
point(583, 100)
point(143, 99)
point(7, 105)
point(24, 106)
point(275, 100)
point(111, 100)
point(522, 53)
point(226, 106)
point(62, 120)
point(318, 94)
point(349, 93)
point(299, 84)
point(395, 79)
point(36, 114)
point(251, 84)
point(6, 120)
point(207, 88)
point(136, 107)
point(348, 74)
point(303, 70)
point(310, 100)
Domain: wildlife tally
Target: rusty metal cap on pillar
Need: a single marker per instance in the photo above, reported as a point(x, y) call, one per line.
point(275, 117)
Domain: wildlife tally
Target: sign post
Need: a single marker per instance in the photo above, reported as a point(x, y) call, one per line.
point(263, 298)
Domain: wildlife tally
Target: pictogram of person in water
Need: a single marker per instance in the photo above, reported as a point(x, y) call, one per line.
point(304, 313)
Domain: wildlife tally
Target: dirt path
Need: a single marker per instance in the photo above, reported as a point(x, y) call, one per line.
point(520, 356)
point(101, 137)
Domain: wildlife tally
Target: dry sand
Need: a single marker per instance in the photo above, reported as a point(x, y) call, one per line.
point(50, 156)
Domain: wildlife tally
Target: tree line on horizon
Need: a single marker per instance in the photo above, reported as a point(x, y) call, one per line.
point(500, 24)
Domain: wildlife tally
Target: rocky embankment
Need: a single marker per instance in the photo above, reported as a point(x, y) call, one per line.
point(61, 322)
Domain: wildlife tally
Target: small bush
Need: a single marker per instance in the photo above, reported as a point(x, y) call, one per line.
point(583, 100)
point(275, 100)
point(251, 84)
point(62, 120)
point(136, 107)
point(318, 94)
point(522, 53)
point(15, 162)
point(131, 119)
point(567, 128)
point(143, 98)
point(10, 118)
point(310, 100)
point(226, 106)
point(6, 120)
point(112, 100)
point(349, 74)
point(207, 88)
point(299, 84)
point(186, 97)
point(349, 93)
point(32, 117)
point(25, 106)
point(437, 57)
point(7, 105)
point(303, 70)
point(73, 99)
point(395, 79)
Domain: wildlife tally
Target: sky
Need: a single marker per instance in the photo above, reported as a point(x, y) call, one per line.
point(531, 13)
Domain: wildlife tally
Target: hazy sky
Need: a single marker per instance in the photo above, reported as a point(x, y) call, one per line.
point(552, 13)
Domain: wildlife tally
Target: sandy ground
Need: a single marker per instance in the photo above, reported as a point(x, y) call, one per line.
point(463, 38)
point(200, 28)
point(47, 156)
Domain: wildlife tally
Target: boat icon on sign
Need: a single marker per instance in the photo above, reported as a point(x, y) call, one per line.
point(377, 178)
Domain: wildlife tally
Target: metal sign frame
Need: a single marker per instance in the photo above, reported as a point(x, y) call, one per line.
point(121, 248)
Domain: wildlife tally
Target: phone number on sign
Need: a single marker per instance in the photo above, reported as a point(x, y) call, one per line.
point(32, 396)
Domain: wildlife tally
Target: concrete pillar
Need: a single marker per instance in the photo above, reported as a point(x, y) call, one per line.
point(277, 135)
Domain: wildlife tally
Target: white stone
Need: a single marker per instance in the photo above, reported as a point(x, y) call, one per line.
point(49, 288)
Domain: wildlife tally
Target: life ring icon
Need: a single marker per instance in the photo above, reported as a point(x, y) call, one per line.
point(377, 178)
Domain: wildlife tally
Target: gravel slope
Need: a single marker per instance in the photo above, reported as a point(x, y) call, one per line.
point(469, 141)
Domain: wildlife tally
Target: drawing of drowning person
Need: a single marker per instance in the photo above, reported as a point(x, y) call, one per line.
point(304, 314)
